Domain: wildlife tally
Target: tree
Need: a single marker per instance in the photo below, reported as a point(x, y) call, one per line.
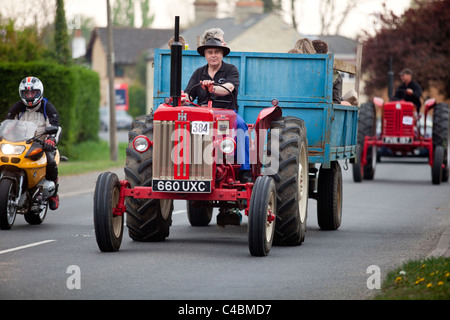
point(145, 9)
point(419, 40)
point(123, 13)
point(20, 45)
point(62, 49)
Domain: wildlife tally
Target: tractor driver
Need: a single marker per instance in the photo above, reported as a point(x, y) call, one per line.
point(218, 71)
point(409, 90)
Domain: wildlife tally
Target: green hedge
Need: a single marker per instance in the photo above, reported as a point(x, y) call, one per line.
point(75, 92)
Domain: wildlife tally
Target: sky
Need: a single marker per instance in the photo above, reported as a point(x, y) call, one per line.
point(360, 19)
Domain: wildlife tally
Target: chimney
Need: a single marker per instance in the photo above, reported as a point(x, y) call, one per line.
point(245, 9)
point(205, 10)
point(78, 45)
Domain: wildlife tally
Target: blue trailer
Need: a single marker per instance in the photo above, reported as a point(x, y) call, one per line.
point(170, 158)
point(302, 83)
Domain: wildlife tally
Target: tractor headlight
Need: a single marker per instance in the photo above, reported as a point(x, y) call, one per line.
point(227, 145)
point(141, 144)
point(9, 149)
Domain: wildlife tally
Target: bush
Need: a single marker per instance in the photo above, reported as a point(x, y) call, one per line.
point(73, 90)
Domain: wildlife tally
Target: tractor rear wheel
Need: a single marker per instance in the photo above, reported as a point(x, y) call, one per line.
point(440, 134)
point(291, 178)
point(147, 219)
point(366, 127)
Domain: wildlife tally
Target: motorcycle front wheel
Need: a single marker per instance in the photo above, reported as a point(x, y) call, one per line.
point(8, 209)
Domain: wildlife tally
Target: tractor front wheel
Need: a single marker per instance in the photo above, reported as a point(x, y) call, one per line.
point(438, 165)
point(261, 216)
point(108, 226)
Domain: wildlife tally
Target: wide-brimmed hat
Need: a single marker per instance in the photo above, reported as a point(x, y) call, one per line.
point(213, 43)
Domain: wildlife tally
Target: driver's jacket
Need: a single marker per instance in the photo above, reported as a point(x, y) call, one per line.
point(44, 114)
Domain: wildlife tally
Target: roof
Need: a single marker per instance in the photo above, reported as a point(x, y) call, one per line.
point(338, 44)
point(129, 43)
point(228, 25)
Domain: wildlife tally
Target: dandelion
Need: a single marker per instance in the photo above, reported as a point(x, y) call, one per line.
point(429, 285)
point(440, 283)
point(423, 266)
point(398, 279)
point(402, 272)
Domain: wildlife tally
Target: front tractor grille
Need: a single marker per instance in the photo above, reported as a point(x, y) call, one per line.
point(178, 154)
point(397, 122)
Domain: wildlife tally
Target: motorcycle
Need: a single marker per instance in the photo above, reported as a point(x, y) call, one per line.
point(23, 186)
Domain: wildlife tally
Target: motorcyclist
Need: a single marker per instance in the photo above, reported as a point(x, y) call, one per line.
point(35, 108)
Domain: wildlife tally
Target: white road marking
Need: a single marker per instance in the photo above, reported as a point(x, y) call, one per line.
point(26, 246)
point(179, 211)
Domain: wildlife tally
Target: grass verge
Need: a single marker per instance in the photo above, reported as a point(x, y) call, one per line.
point(427, 279)
point(91, 156)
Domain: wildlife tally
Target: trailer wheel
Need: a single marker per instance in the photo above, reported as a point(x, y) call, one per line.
point(329, 201)
point(261, 216)
point(291, 179)
point(108, 227)
point(438, 165)
point(198, 216)
point(147, 219)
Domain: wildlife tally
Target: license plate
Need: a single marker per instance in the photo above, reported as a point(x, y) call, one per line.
point(200, 127)
point(397, 140)
point(181, 186)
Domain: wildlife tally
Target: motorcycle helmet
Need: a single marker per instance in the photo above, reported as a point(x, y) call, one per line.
point(31, 91)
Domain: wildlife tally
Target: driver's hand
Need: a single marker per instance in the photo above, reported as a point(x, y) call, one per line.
point(183, 97)
point(208, 85)
point(409, 91)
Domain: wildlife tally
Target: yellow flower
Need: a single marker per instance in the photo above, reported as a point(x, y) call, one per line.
point(429, 285)
point(440, 283)
point(398, 279)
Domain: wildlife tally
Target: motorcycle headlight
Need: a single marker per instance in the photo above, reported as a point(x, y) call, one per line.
point(9, 149)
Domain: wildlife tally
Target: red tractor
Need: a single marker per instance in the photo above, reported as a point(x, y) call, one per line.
point(187, 153)
point(402, 135)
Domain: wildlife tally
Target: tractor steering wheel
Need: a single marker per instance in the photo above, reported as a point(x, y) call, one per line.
point(210, 98)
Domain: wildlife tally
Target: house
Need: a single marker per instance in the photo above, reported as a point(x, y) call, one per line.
point(129, 45)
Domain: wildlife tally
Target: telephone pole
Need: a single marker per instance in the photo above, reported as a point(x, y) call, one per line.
point(112, 92)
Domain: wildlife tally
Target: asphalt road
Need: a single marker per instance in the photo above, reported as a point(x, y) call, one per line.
point(397, 217)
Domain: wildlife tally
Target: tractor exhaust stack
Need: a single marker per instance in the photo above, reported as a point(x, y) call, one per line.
point(175, 65)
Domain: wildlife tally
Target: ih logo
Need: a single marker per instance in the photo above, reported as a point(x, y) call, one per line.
point(182, 116)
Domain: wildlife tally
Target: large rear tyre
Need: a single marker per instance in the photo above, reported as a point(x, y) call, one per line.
point(366, 127)
point(108, 227)
point(329, 201)
point(8, 209)
point(147, 219)
point(261, 216)
point(291, 179)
